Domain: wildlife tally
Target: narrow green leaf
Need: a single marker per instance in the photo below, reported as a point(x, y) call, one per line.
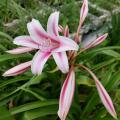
point(32, 105)
point(40, 112)
point(2, 34)
point(10, 81)
point(9, 56)
point(4, 114)
point(84, 80)
point(111, 53)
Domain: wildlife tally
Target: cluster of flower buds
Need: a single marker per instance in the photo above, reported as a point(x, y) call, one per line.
point(51, 43)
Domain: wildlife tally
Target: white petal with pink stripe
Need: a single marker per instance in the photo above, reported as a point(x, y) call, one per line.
point(39, 61)
point(66, 95)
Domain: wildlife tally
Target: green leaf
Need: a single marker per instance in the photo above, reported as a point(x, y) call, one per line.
point(32, 105)
point(94, 52)
point(2, 34)
point(9, 56)
point(34, 80)
point(111, 53)
point(34, 94)
point(84, 80)
point(4, 114)
point(103, 64)
point(14, 80)
point(40, 112)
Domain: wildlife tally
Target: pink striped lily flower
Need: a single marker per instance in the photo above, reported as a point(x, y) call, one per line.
point(47, 43)
point(66, 95)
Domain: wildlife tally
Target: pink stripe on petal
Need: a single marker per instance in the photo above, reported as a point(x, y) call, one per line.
point(84, 11)
point(61, 61)
point(20, 50)
point(100, 39)
point(66, 44)
point(105, 98)
point(60, 29)
point(36, 31)
point(94, 42)
point(38, 62)
point(18, 69)
point(25, 41)
point(66, 95)
point(52, 25)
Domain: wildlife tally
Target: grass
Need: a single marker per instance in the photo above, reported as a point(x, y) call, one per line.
point(28, 97)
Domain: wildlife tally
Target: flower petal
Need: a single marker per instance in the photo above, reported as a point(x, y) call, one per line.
point(36, 31)
point(66, 95)
point(38, 62)
point(18, 69)
point(52, 25)
point(84, 11)
point(105, 98)
point(20, 50)
point(99, 40)
point(66, 32)
point(94, 42)
point(61, 61)
point(66, 44)
point(25, 41)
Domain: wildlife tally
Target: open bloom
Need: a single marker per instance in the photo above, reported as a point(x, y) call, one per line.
point(48, 43)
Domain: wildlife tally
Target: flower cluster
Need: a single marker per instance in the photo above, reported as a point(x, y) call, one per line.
point(64, 51)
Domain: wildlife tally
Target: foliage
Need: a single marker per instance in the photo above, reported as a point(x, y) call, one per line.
point(114, 31)
point(28, 97)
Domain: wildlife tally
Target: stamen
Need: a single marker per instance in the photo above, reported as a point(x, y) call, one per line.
point(47, 45)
